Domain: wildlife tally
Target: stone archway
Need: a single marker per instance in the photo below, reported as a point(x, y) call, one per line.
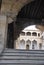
point(31, 13)
point(12, 7)
point(21, 12)
point(27, 16)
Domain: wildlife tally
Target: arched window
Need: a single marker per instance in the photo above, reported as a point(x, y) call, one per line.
point(27, 47)
point(28, 42)
point(22, 44)
point(34, 44)
point(23, 33)
point(34, 34)
point(39, 34)
point(28, 33)
point(40, 46)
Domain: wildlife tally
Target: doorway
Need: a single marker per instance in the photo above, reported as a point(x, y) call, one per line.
point(10, 36)
point(27, 47)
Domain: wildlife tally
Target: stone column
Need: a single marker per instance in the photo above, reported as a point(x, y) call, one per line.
point(43, 41)
point(3, 31)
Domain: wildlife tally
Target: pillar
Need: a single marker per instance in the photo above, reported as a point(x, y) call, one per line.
point(43, 41)
point(3, 32)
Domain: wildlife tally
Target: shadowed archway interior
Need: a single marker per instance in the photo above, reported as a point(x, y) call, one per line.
point(33, 10)
point(10, 36)
point(31, 14)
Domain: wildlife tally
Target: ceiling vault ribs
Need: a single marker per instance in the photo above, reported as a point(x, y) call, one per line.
point(34, 8)
point(37, 8)
point(32, 11)
point(28, 9)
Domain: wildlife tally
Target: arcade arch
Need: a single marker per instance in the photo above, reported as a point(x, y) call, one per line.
point(28, 15)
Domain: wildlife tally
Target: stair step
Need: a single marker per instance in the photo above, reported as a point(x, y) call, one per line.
point(22, 57)
point(23, 51)
point(23, 61)
point(19, 54)
point(12, 56)
point(28, 52)
point(4, 53)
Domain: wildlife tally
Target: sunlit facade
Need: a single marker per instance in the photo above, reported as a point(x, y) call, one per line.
point(30, 39)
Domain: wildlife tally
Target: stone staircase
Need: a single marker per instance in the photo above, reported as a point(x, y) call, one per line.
point(22, 57)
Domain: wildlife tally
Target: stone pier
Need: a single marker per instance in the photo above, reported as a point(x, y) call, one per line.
point(3, 32)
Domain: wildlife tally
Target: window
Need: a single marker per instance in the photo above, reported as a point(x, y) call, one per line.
point(39, 34)
point(29, 33)
point(28, 42)
point(34, 44)
point(22, 44)
point(34, 34)
point(22, 33)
